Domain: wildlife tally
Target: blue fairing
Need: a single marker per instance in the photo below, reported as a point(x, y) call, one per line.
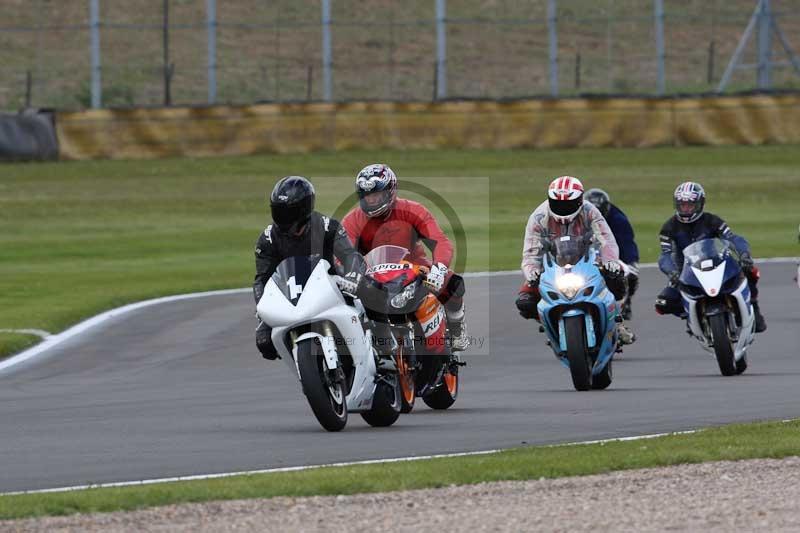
point(706, 251)
point(601, 337)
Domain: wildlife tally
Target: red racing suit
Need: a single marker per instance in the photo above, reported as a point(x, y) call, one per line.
point(408, 224)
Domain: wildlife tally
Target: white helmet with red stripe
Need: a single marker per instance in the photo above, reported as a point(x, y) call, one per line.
point(565, 198)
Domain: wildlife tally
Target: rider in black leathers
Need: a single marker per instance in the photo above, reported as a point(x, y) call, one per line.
point(299, 230)
point(689, 224)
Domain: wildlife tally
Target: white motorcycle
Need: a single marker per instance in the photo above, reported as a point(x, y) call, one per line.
point(327, 340)
point(716, 298)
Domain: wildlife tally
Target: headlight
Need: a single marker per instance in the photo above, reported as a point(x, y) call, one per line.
point(569, 284)
point(399, 301)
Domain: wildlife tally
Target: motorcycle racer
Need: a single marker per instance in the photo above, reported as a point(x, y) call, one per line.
point(297, 229)
point(691, 223)
point(623, 233)
point(380, 210)
point(565, 213)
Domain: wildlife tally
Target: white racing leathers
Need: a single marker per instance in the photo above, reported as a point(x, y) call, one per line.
point(541, 226)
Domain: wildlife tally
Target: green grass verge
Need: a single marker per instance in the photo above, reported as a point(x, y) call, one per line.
point(734, 442)
point(14, 342)
point(79, 238)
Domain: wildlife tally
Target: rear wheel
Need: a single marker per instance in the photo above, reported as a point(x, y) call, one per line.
point(326, 397)
point(722, 345)
point(386, 404)
point(603, 379)
point(580, 364)
point(445, 394)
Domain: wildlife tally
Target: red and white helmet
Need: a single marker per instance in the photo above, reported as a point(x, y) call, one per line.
point(565, 198)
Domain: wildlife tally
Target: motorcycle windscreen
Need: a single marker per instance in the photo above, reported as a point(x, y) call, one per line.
point(386, 254)
point(570, 250)
point(293, 273)
point(706, 254)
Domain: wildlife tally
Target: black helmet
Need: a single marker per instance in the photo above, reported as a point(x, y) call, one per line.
point(600, 199)
point(292, 202)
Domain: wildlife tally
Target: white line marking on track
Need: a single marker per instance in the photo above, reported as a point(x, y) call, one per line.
point(329, 465)
point(54, 340)
point(38, 332)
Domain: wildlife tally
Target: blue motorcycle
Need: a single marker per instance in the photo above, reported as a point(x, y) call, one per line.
point(578, 312)
point(716, 299)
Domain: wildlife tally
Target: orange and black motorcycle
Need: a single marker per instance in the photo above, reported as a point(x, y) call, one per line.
point(410, 323)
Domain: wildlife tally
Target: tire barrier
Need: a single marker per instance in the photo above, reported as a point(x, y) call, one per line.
point(30, 135)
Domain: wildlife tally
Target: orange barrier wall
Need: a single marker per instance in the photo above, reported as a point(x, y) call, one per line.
point(282, 128)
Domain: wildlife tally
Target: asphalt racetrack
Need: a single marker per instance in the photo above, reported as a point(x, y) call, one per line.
point(179, 389)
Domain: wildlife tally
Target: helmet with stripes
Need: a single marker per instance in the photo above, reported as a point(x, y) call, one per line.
point(565, 198)
point(376, 186)
point(690, 198)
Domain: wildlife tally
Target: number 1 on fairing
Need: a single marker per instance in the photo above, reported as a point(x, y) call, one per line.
point(295, 290)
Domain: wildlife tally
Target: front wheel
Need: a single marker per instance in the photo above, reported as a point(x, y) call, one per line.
point(741, 365)
point(603, 379)
point(445, 394)
point(580, 363)
point(386, 404)
point(405, 374)
point(327, 398)
point(722, 345)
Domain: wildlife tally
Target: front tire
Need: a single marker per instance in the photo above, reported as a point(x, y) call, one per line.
point(406, 382)
point(386, 405)
point(722, 345)
point(603, 379)
point(741, 365)
point(328, 401)
point(580, 364)
point(445, 394)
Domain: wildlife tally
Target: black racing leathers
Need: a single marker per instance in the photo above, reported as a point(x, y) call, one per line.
point(324, 236)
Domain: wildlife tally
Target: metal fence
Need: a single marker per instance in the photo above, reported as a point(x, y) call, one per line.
point(73, 54)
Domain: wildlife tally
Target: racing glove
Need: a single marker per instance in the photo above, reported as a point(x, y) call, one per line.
point(674, 278)
point(746, 260)
point(612, 267)
point(435, 278)
point(349, 283)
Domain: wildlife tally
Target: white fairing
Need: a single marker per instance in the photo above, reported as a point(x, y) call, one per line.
point(711, 280)
point(746, 333)
point(320, 301)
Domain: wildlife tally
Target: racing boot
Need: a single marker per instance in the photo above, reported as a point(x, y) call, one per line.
point(456, 322)
point(384, 364)
point(626, 309)
point(625, 335)
point(761, 324)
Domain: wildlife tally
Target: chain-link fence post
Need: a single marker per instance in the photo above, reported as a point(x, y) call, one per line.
point(552, 21)
point(211, 30)
point(659, 24)
point(327, 89)
point(441, 49)
point(94, 29)
point(765, 46)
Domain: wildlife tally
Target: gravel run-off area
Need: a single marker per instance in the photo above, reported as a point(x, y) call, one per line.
point(754, 495)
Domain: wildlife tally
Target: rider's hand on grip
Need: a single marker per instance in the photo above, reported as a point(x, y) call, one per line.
point(746, 260)
point(434, 281)
point(612, 267)
point(349, 283)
